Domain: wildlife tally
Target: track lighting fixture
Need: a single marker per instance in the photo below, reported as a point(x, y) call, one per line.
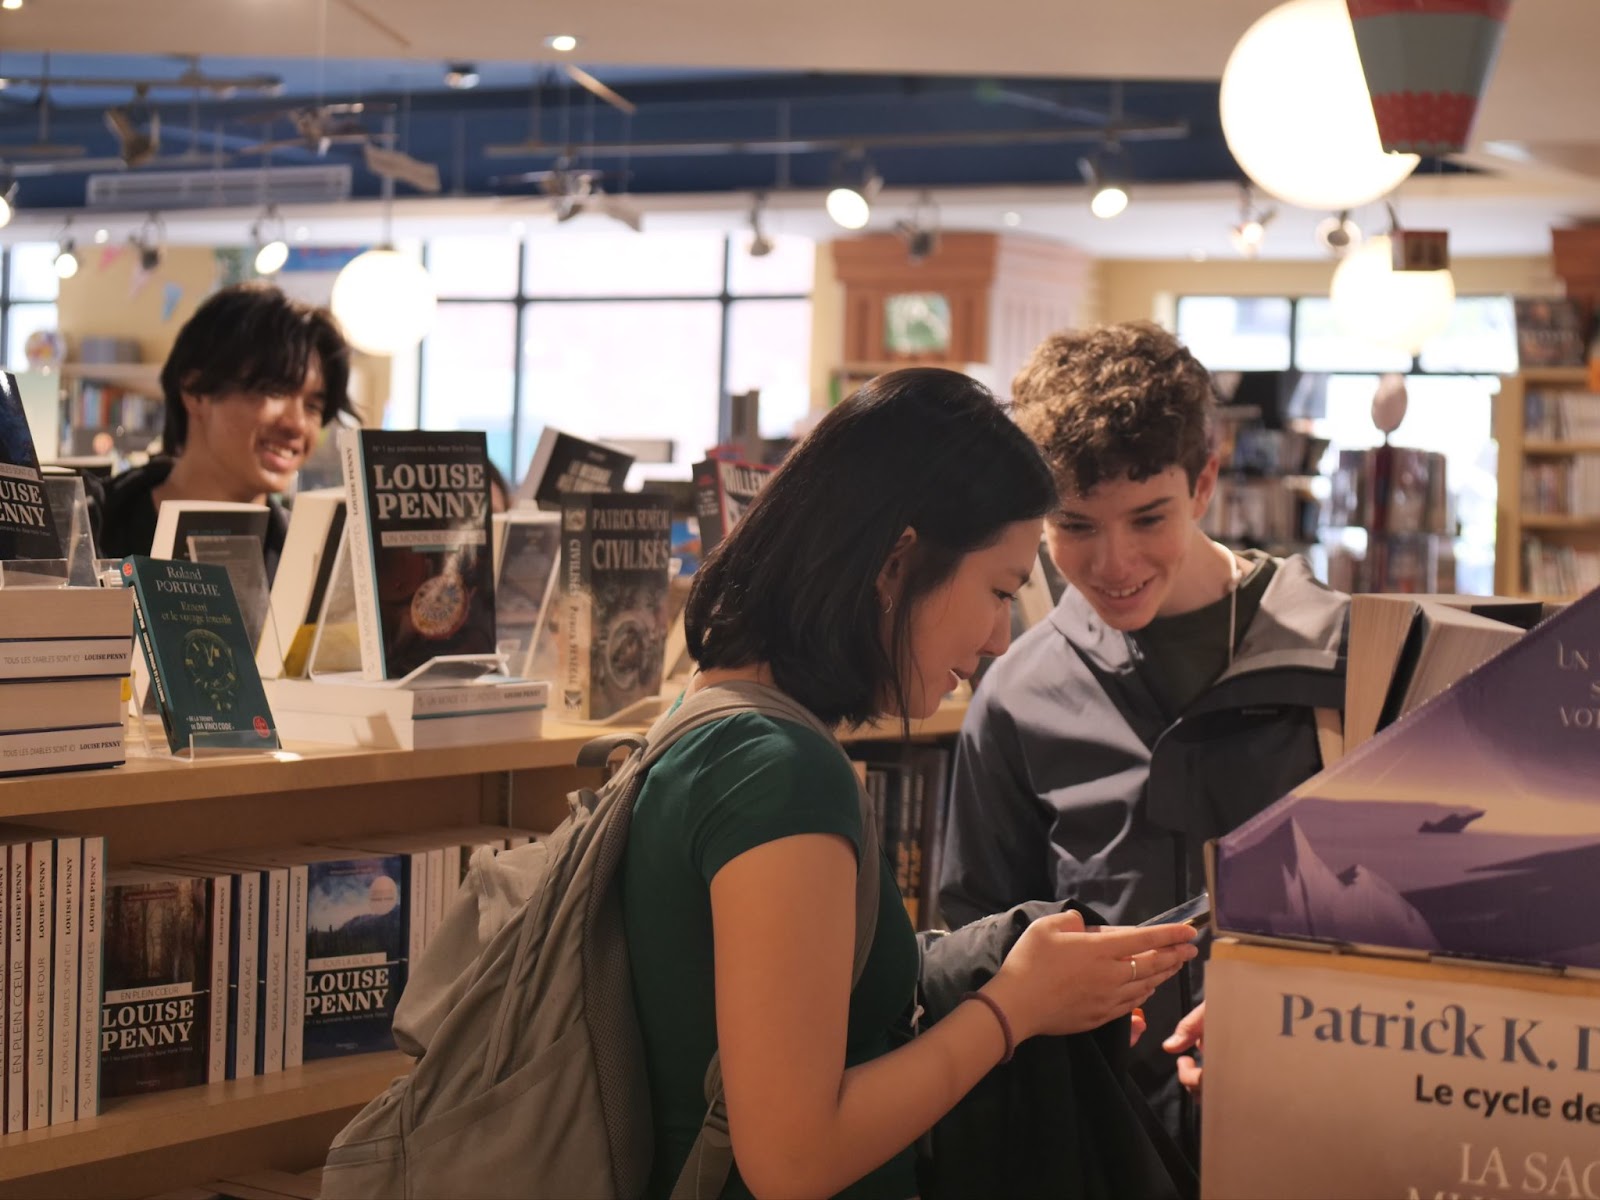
point(461, 76)
point(270, 238)
point(66, 260)
point(855, 186)
point(148, 242)
point(1251, 231)
point(1107, 175)
point(761, 245)
point(1338, 234)
point(920, 230)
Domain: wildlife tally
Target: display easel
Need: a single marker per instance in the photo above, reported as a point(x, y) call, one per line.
point(336, 645)
point(144, 706)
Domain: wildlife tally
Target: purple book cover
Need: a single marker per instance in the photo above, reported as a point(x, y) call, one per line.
point(1470, 828)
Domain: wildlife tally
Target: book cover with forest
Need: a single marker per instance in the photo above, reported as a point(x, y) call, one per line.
point(155, 1017)
point(356, 937)
point(419, 540)
point(614, 577)
point(1468, 828)
point(199, 654)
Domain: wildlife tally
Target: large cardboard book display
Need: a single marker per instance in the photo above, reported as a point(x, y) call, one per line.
point(1405, 1000)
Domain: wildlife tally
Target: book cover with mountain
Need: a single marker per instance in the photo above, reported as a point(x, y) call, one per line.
point(419, 540)
point(566, 465)
point(1469, 828)
point(27, 527)
point(199, 655)
point(614, 576)
point(155, 1017)
point(724, 488)
point(356, 937)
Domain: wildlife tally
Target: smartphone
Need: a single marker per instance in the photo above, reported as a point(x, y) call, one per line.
point(1195, 913)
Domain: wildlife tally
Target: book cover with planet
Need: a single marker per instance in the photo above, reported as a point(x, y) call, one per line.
point(422, 558)
point(356, 936)
point(1469, 828)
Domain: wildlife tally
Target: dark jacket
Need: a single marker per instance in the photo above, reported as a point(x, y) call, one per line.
point(1062, 1118)
point(1071, 783)
point(123, 515)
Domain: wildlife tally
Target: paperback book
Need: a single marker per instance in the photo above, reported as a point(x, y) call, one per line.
point(724, 488)
point(418, 517)
point(310, 549)
point(564, 465)
point(527, 551)
point(155, 1019)
point(356, 951)
point(27, 527)
point(198, 654)
point(179, 520)
point(614, 576)
point(1469, 828)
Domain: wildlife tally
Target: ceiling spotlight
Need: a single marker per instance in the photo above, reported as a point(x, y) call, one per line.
point(1108, 191)
point(102, 236)
point(461, 76)
point(271, 238)
point(1250, 233)
point(920, 231)
point(148, 242)
point(1338, 234)
point(761, 244)
point(8, 203)
point(66, 262)
point(11, 5)
point(562, 43)
point(855, 186)
point(1012, 219)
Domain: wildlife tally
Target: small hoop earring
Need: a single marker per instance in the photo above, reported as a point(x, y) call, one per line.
point(888, 605)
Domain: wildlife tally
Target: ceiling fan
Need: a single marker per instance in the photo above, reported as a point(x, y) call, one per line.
point(574, 190)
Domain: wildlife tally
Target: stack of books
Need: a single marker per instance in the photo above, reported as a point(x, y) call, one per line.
point(54, 884)
point(350, 711)
point(64, 653)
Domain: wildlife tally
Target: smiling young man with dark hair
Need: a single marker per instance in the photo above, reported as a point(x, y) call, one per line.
point(252, 379)
point(1170, 695)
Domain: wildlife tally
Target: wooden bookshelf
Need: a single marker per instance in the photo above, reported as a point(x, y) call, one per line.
point(1516, 449)
point(157, 805)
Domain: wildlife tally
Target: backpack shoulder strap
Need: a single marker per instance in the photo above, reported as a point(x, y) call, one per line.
point(711, 1157)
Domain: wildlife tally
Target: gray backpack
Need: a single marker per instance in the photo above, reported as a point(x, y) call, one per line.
point(530, 1078)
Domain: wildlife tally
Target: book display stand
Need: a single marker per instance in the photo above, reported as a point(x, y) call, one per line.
point(336, 646)
point(146, 736)
point(247, 571)
point(69, 509)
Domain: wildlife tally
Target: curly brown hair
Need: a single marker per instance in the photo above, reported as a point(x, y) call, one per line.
point(1114, 402)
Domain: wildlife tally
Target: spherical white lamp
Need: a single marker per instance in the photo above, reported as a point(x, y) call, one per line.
point(1398, 310)
point(1296, 113)
point(384, 301)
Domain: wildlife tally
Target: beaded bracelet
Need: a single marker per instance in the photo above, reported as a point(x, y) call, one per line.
point(999, 1015)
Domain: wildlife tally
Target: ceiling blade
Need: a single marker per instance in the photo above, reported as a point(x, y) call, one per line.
point(592, 85)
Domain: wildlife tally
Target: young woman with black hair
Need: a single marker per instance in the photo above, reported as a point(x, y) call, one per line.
point(252, 379)
point(869, 576)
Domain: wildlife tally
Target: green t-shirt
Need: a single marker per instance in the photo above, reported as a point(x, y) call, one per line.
point(722, 790)
point(1180, 657)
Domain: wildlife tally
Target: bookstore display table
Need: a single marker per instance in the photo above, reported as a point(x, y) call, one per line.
point(156, 807)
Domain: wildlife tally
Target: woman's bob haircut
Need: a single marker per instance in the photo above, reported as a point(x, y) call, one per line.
point(794, 585)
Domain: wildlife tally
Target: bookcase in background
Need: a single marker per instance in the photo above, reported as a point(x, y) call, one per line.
point(154, 809)
point(1547, 540)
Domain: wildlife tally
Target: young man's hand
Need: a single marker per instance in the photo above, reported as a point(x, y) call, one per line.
point(1189, 1034)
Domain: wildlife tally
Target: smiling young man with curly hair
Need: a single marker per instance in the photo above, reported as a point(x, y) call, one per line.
point(1171, 694)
